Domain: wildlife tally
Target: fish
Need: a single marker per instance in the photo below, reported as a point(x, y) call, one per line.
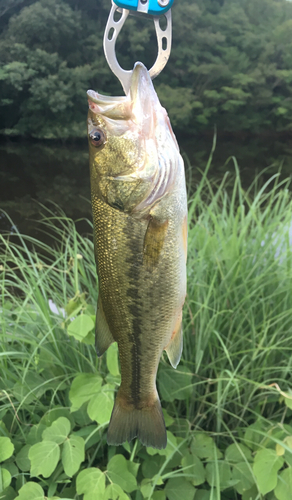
point(139, 206)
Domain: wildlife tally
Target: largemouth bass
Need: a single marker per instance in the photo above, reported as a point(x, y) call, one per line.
point(139, 209)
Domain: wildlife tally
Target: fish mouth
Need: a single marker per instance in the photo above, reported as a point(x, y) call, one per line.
point(140, 107)
point(103, 99)
point(140, 74)
point(136, 105)
point(117, 108)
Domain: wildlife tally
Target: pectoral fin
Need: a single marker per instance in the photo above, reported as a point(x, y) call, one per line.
point(154, 241)
point(103, 336)
point(175, 345)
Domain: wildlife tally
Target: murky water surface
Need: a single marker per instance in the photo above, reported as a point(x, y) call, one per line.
point(54, 174)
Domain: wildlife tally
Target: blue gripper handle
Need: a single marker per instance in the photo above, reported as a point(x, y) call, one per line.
point(154, 8)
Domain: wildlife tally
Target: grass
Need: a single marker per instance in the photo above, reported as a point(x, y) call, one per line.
point(237, 317)
point(239, 304)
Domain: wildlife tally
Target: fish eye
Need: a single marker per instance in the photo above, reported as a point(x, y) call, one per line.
point(97, 137)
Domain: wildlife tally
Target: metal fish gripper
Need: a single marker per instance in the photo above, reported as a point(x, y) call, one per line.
point(153, 8)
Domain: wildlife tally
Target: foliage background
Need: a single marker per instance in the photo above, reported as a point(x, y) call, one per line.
point(228, 405)
point(231, 64)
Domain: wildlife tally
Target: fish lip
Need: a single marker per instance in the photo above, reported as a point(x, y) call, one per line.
point(102, 99)
point(140, 72)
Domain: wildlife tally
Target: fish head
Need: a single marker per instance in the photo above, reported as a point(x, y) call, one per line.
point(133, 150)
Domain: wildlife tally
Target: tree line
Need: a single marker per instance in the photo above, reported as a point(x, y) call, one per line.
point(230, 66)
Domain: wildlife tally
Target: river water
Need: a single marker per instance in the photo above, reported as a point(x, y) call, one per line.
point(58, 175)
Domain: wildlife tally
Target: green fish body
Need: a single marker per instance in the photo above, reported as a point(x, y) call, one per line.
point(140, 232)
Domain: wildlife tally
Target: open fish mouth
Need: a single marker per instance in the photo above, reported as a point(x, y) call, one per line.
point(140, 106)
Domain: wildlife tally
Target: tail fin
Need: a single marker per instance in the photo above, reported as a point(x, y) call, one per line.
point(147, 424)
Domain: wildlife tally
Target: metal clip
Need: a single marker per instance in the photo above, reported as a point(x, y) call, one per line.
point(152, 7)
point(112, 31)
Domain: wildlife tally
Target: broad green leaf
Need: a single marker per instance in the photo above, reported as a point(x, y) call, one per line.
point(83, 388)
point(118, 473)
point(167, 418)
point(159, 495)
point(193, 469)
point(251, 494)
point(253, 436)
point(31, 491)
point(6, 448)
point(22, 459)
point(175, 384)
point(58, 431)
point(203, 446)
point(283, 490)
point(80, 327)
point(179, 488)
point(237, 452)
point(12, 468)
point(100, 406)
point(73, 454)
point(5, 479)
point(3, 430)
point(146, 487)
point(181, 450)
point(266, 465)
point(21, 480)
point(112, 360)
point(35, 434)
point(89, 339)
point(218, 473)
point(115, 492)
point(133, 467)
point(93, 432)
point(54, 414)
point(170, 447)
point(151, 465)
point(81, 416)
point(44, 457)
point(242, 473)
point(9, 494)
point(91, 483)
point(158, 480)
point(180, 427)
point(204, 495)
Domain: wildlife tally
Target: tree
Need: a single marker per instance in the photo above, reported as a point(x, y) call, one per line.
point(230, 66)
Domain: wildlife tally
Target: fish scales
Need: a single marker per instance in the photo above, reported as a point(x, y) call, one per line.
point(140, 255)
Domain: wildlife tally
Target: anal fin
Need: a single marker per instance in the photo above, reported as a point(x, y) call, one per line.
point(103, 336)
point(175, 346)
